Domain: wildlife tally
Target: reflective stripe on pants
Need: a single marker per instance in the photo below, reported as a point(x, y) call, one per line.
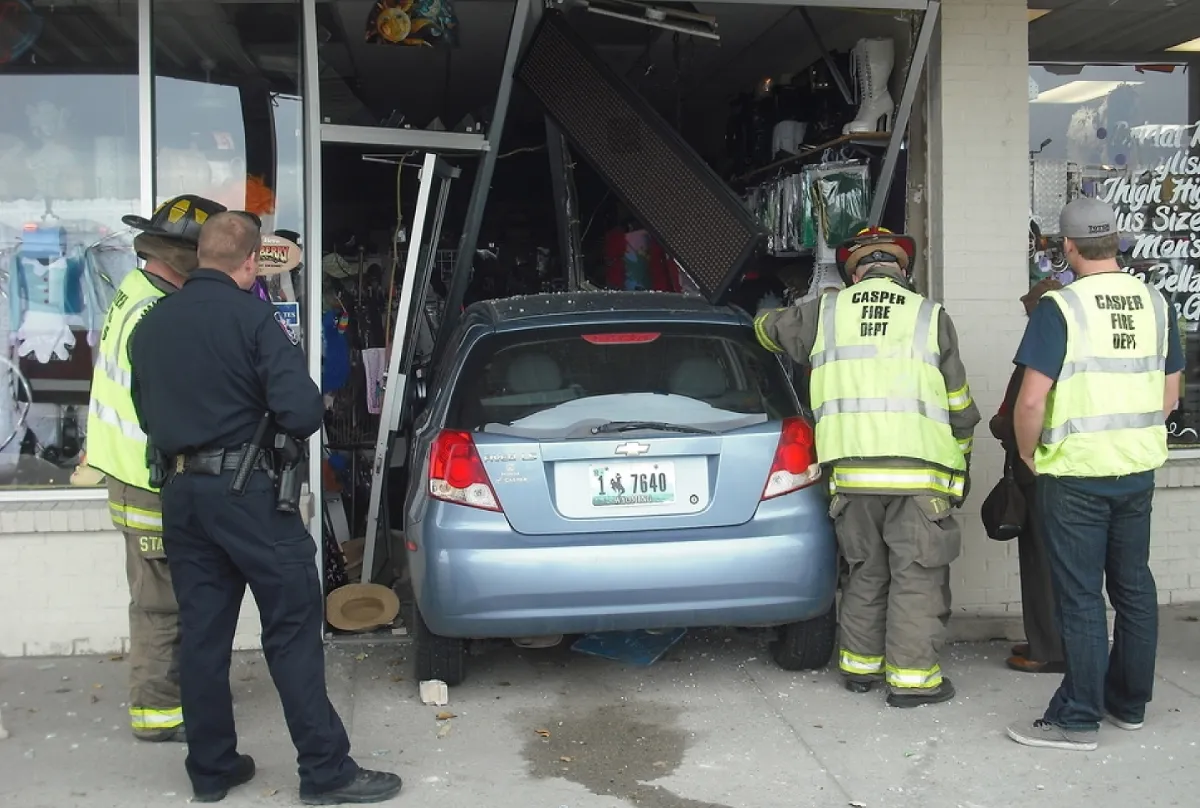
point(859, 665)
point(914, 678)
point(142, 719)
point(136, 519)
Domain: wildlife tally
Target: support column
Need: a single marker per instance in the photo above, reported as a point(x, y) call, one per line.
point(979, 209)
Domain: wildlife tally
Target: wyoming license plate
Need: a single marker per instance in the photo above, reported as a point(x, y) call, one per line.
point(648, 483)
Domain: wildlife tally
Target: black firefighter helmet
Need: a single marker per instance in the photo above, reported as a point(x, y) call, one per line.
point(178, 219)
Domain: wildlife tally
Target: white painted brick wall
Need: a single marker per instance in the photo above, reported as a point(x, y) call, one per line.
point(979, 200)
point(979, 196)
point(65, 590)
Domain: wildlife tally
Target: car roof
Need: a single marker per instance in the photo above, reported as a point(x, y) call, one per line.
point(605, 307)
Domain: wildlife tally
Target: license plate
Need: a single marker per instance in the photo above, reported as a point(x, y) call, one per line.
point(649, 483)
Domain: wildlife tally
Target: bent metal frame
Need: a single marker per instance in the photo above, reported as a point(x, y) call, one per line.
point(483, 147)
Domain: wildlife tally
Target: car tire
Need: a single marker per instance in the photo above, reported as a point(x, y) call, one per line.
point(807, 645)
point(438, 657)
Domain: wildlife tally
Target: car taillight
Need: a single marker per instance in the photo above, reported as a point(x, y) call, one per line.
point(456, 472)
point(795, 465)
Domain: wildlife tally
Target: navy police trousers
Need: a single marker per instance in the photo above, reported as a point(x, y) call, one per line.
point(216, 544)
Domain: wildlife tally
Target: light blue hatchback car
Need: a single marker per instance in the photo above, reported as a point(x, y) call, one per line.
point(611, 461)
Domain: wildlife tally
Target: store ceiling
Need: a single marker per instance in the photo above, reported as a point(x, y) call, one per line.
point(1112, 30)
point(226, 40)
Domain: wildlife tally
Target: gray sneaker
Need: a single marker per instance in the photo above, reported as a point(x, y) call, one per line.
point(1050, 736)
point(1128, 726)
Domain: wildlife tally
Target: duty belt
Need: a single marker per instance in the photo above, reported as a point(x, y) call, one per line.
point(213, 462)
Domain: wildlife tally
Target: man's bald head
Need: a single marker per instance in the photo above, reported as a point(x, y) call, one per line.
point(227, 241)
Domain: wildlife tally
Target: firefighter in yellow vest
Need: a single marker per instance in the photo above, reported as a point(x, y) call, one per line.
point(1103, 361)
point(895, 419)
point(116, 446)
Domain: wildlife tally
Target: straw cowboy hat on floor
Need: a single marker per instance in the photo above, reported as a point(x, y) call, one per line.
point(361, 607)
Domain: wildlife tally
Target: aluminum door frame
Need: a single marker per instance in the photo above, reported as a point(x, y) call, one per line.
point(418, 264)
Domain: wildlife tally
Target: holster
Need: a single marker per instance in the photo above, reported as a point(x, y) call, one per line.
point(158, 464)
point(289, 456)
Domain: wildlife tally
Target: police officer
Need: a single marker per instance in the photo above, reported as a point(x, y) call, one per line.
point(117, 447)
point(208, 362)
point(1102, 360)
point(894, 418)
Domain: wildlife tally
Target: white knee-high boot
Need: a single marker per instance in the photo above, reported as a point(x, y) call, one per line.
point(872, 64)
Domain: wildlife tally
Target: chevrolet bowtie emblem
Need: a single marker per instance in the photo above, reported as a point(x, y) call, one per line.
point(628, 449)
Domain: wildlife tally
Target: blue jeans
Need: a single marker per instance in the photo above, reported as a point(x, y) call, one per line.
point(1091, 536)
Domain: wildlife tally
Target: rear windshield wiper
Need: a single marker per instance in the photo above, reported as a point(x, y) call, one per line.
point(658, 426)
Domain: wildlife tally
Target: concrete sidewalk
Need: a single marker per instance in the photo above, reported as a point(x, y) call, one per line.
point(712, 725)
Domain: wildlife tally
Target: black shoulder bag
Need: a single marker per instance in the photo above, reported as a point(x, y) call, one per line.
point(1004, 511)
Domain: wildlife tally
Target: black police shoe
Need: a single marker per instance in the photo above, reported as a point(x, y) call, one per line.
point(917, 696)
point(242, 773)
point(367, 786)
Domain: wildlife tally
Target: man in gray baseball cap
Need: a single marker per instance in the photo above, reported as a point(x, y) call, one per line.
point(1108, 347)
point(1090, 221)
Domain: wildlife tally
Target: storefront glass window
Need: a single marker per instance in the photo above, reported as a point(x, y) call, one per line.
point(1130, 135)
point(228, 117)
point(68, 173)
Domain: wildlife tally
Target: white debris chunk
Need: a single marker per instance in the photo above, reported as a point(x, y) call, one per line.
point(435, 692)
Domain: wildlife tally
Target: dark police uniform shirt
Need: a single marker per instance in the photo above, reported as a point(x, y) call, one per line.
point(209, 360)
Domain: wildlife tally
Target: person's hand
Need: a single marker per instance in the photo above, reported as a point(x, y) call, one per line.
point(1028, 461)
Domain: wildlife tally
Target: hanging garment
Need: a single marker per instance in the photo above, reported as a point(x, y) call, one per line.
point(374, 366)
point(841, 199)
point(634, 260)
point(788, 137)
point(335, 368)
point(49, 293)
point(107, 263)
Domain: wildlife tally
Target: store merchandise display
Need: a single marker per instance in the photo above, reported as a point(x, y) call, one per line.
point(57, 287)
point(841, 201)
point(871, 69)
point(1049, 188)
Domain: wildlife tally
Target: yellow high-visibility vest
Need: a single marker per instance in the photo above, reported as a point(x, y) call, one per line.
point(116, 443)
point(878, 392)
point(1104, 417)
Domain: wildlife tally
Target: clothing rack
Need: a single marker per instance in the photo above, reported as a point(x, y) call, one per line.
point(862, 138)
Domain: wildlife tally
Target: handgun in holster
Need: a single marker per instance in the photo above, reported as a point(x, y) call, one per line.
point(289, 457)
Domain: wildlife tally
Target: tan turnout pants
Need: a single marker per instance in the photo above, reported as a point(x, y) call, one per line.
point(154, 706)
point(896, 600)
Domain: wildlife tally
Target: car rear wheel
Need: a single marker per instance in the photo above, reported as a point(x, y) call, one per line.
point(807, 645)
point(438, 657)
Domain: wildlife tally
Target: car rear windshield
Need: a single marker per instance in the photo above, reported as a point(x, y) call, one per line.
point(682, 374)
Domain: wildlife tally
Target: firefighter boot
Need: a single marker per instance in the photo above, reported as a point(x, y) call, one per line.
point(918, 696)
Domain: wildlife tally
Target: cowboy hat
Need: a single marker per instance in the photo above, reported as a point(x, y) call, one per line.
point(874, 242)
point(361, 607)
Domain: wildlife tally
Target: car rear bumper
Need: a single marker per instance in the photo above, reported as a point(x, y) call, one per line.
point(475, 577)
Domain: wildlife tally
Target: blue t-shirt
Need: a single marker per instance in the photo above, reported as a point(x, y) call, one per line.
point(1044, 347)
